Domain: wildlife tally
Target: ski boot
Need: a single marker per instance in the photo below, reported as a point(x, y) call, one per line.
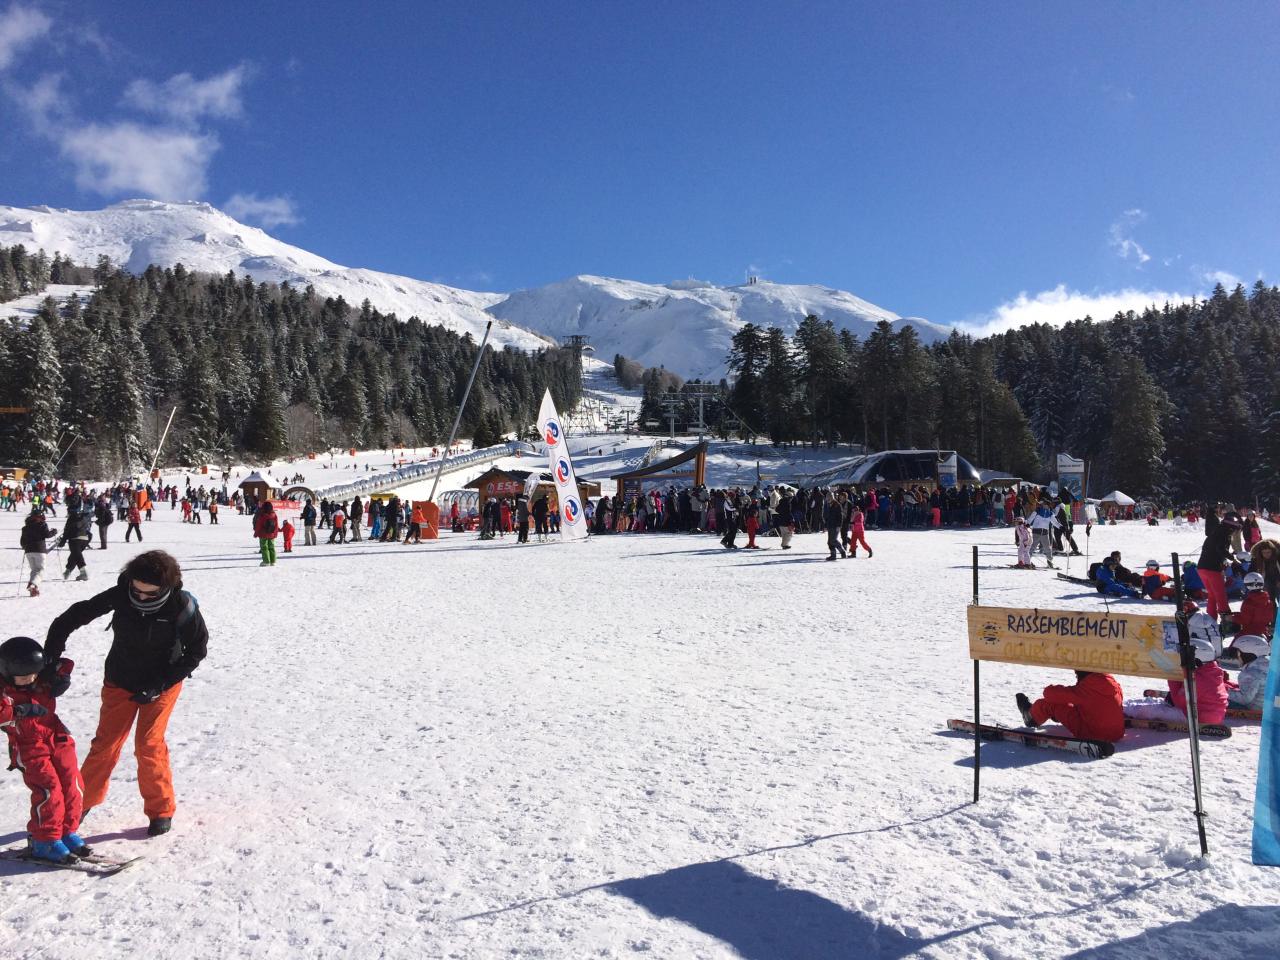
point(76, 845)
point(55, 851)
point(83, 574)
point(1024, 708)
point(33, 590)
point(159, 825)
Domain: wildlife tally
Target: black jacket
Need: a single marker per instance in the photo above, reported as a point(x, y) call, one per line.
point(77, 525)
point(1217, 546)
point(149, 651)
point(34, 534)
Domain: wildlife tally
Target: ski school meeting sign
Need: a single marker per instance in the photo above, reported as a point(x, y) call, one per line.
point(1076, 640)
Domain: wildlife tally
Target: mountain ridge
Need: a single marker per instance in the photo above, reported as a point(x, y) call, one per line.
point(685, 325)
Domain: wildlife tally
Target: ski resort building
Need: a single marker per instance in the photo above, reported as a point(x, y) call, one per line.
point(901, 468)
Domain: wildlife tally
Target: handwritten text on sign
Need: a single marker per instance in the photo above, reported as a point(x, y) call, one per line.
point(1076, 640)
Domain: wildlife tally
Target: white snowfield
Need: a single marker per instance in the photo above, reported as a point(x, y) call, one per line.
point(686, 325)
point(640, 744)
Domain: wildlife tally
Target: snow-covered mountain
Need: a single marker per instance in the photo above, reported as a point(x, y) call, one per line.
point(138, 233)
point(685, 326)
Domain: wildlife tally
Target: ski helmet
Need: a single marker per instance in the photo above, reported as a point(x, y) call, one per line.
point(20, 656)
point(1202, 628)
point(1251, 643)
point(1153, 564)
point(1253, 582)
point(1205, 652)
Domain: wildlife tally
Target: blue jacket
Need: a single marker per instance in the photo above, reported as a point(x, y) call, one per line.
point(1191, 577)
point(1106, 578)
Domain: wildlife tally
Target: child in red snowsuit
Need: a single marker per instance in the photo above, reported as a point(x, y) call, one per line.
point(287, 532)
point(1091, 710)
point(41, 747)
point(1257, 612)
point(859, 533)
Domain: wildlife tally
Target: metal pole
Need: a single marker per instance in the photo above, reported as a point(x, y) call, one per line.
point(74, 438)
point(977, 701)
point(160, 445)
point(462, 406)
point(1187, 655)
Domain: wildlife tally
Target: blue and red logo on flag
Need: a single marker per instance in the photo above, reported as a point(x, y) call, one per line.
point(572, 511)
point(553, 433)
point(562, 470)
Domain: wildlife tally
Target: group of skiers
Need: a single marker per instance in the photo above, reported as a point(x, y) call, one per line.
point(1094, 708)
point(501, 515)
point(158, 640)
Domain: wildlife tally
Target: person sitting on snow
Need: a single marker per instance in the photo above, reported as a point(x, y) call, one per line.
point(1212, 685)
point(1109, 585)
point(1255, 655)
point(1155, 583)
point(1192, 585)
point(1257, 614)
point(1090, 710)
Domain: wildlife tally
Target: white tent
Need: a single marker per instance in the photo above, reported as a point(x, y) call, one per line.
point(1118, 498)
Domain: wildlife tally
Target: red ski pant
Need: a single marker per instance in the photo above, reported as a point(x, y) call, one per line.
point(859, 537)
point(155, 781)
point(1216, 588)
point(1067, 714)
point(752, 526)
point(57, 792)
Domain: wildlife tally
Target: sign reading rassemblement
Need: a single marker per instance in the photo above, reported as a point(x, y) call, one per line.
point(1076, 640)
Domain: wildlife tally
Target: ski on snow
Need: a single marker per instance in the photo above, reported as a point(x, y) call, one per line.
point(1233, 713)
point(95, 863)
point(1094, 749)
point(1214, 731)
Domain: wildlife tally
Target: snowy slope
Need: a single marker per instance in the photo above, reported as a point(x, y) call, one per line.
point(395, 752)
point(686, 326)
point(138, 233)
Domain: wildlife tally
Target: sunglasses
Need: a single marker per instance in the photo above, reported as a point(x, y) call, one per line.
point(145, 594)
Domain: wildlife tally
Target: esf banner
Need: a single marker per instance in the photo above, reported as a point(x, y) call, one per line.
point(573, 520)
point(1076, 640)
point(1266, 803)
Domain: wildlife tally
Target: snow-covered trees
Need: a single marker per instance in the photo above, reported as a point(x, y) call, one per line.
point(252, 368)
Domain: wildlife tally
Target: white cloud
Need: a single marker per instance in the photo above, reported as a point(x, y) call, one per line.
point(268, 211)
point(129, 158)
point(20, 27)
point(1228, 280)
point(1121, 239)
point(1060, 305)
point(183, 97)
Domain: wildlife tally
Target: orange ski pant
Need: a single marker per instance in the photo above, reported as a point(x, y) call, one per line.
point(119, 712)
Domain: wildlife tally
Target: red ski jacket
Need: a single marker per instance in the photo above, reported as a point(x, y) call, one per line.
point(29, 736)
point(1212, 687)
point(1099, 702)
point(1256, 614)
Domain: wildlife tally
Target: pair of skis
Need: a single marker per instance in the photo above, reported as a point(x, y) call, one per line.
point(96, 863)
point(1093, 749)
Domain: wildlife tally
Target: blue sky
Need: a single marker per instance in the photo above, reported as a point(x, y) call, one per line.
point(960, 162)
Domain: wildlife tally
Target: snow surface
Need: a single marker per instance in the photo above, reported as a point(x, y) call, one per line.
point(686, 325)
point(634, 745)
point(28, 305)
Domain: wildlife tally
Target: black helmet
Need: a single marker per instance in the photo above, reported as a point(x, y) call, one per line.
point(20, 656)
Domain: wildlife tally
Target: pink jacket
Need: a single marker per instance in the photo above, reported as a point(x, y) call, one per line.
point(1211, 693)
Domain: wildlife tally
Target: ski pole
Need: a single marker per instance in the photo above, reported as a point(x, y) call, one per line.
point(21, 564)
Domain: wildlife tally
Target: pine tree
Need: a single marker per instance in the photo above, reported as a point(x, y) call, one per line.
point(746, 362)
point(778, 383)
point(266, 434)
point(1135, 447)
point(38, 385)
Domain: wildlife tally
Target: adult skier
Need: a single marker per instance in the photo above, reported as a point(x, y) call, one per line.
point(76, 535)
point(265, 528)
point(1215, 554)
point(1042, 522)
point(832, 517)
point(103, 518)
point(158, 640)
